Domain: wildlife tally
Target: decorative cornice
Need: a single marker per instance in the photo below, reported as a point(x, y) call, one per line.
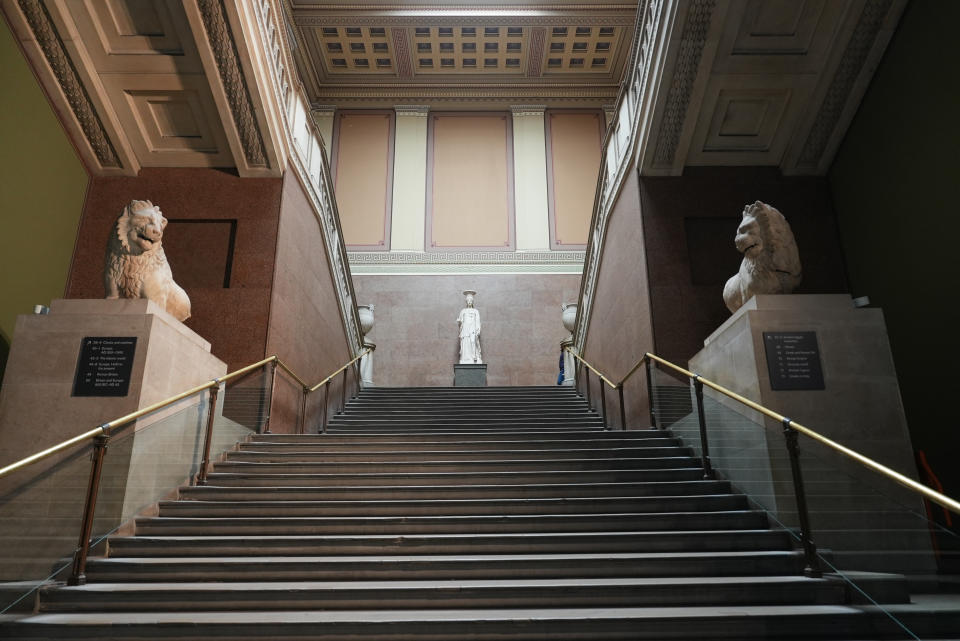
point(692, 42)
point(234, 83)
point(420, 111)
point(528, 110)
point(323, 109)
point(69, 80)
point(472, 93)
point(838, 94)
point(467, 257)
point(434, 19)
point(502, 8)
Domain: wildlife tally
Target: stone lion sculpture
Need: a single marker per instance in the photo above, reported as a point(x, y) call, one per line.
point(771, 262)
point(136, 266)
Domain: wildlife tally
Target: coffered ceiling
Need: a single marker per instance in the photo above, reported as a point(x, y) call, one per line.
point(374, 53)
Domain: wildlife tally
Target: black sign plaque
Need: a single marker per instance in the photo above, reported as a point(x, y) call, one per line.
point(104, 366)
point(793, 360)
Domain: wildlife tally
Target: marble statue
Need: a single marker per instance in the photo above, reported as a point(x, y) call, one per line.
point(771, 262)
point(469, 322)
point(136, 266)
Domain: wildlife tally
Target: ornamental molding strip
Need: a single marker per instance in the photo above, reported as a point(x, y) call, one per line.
point(692, 43)
point(419, 111)
point(625, 135)
point(234, 82)
point(41, 24)
point(838, 96)
point(306, 158)
point(528, 110)
point(520, 18)
point(468, 257)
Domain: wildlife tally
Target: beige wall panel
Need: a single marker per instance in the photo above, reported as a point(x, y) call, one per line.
point(471, 188)
point(575, 140)
point(530, 181)
point(409, 183)
point(364, 157)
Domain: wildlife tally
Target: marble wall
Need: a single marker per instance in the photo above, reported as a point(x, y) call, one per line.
point(689, 223)
point(416, 325)
point(234, 319)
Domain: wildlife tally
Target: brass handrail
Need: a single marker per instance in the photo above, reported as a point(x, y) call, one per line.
point(623, 380)
point(938, 498)
point(933, 495)
point(105, 428)
point(591, 368)
point(332, 376)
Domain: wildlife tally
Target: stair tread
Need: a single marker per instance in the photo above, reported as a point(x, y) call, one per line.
point(619, 556)
point(268, 617)
point(284, 586)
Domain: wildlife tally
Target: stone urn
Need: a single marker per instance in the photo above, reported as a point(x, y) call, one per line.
point(366, 318)
point(569, 315)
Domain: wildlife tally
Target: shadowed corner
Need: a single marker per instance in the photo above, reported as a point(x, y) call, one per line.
point(4, 353)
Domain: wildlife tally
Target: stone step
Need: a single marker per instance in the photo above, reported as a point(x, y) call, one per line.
point(360, 493)
point(476, 593)
point(703, 623)
point(518, 543)
point(534, 415)
point(470, 467)
point(404, 443)
point(276, 526)
point(501, 426)
point(588, 505)
point(355, 568)
point(290, 479)
point(592, 435)
point(528, 453)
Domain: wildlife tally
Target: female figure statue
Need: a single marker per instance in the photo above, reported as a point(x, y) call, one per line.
point(469, 322)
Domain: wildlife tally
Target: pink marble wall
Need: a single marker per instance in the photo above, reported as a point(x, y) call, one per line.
point(685, 313)
point(416, 328)
point(233, 319)
point(305, 330)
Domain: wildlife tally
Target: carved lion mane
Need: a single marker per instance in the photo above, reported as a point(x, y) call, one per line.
point(771, 262)
point(136, 266)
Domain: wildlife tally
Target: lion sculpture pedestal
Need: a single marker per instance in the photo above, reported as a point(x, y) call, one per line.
point(859, 406)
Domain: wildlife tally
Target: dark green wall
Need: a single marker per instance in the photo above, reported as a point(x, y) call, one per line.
point(42, 186)
point(895, 187)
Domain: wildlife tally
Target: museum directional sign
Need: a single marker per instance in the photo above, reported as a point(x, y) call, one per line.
point(793, 360)
point(104, 366)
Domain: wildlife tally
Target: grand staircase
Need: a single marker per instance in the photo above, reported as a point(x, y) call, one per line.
point(478, 513)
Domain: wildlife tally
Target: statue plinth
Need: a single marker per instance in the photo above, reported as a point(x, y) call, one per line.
point(470, 375)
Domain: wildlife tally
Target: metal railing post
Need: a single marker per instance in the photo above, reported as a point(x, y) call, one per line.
point(302, 419)
point(326, 407)
point(208, 436)
point(586, 381)
point(603, 402)
point(343, 392)
point(273, 387)
point(701, 418)
point(812, 568)
point(78, 574)
point(653, 411)
point(623, 410)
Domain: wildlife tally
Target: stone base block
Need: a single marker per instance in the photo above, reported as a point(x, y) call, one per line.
point(37, 409)
point(470, 375)
point(856, 403)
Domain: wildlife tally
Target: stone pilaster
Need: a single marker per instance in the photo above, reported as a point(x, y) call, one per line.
point(409, 179)
point(530, 178)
